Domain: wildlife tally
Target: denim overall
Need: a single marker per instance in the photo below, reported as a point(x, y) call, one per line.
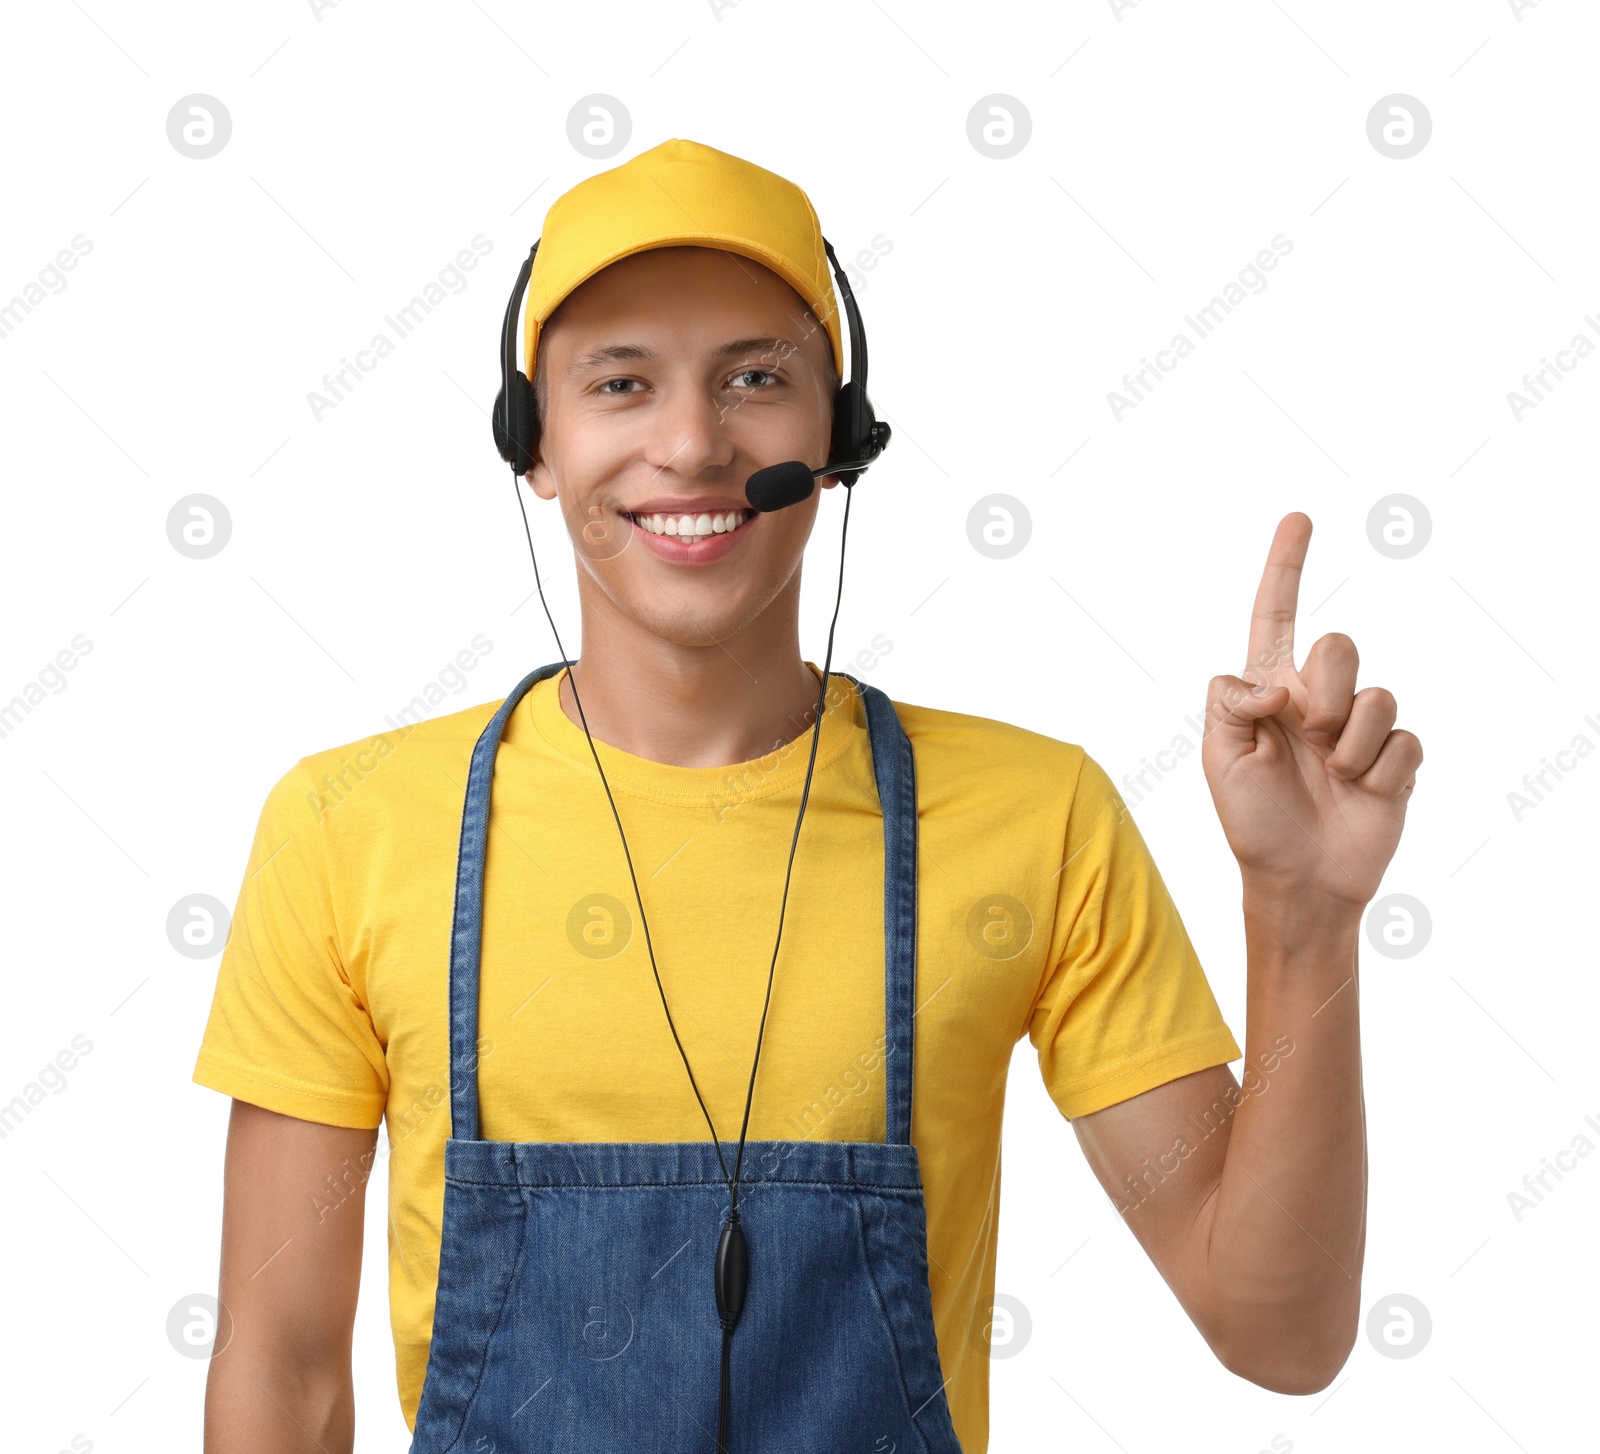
point(575, 1310)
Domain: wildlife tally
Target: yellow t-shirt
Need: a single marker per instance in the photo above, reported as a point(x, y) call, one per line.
point(1040, 912)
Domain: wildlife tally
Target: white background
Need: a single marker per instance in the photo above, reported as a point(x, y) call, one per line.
point(1170, 143)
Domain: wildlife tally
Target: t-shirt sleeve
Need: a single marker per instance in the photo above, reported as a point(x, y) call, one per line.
point(287, 1029)
point(1125, 1005)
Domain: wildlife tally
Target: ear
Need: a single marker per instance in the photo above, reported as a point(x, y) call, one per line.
point(540, 480)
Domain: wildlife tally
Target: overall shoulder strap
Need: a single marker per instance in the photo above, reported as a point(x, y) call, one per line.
point(894, 767)
point(466, 932)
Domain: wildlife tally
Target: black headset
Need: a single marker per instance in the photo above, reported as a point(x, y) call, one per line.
point(859, 436)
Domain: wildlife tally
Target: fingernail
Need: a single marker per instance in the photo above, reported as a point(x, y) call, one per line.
point(1260, 691)
point(1317, 735)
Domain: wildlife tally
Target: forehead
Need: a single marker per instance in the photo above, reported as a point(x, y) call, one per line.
point(697, 294)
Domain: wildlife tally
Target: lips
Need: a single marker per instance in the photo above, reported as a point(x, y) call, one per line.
point(695, 550)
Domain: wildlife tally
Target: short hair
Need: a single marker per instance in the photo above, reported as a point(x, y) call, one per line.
point(541, 386)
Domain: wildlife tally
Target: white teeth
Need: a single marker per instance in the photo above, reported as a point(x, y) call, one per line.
point(690, 528)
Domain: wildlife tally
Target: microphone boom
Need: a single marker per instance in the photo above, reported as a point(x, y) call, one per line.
point(780, 485)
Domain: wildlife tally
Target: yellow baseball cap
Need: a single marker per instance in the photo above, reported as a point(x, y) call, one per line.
point(680, 194)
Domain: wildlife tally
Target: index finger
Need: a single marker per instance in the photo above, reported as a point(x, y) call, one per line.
point(1272, 617)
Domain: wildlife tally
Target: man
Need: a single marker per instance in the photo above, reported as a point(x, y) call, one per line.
point(956, 882)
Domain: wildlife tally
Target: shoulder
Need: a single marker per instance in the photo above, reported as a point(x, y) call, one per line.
point(1003, 758)
point(401, 766)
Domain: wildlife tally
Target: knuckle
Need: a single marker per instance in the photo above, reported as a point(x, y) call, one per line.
point(1337, 644)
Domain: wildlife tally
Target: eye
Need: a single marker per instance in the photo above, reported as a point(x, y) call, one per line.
point(605, 387)
point(759, 373)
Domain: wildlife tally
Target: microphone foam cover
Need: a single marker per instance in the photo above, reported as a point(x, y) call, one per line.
point(779, 485)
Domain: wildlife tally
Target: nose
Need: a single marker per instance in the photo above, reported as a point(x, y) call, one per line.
point(689, 432)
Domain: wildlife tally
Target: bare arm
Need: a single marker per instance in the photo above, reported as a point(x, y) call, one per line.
point(293, 1198)
point(1261, 1228)
point(1251, 1202)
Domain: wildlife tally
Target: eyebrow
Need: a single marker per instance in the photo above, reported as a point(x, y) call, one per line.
point(620, 352)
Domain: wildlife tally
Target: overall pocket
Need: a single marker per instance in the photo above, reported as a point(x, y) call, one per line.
point(894, 1244)
point(480, 1248)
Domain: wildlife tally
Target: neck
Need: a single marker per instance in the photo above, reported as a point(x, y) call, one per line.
point(691, 705)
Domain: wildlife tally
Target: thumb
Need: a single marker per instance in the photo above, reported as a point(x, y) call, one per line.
point(1233, 706)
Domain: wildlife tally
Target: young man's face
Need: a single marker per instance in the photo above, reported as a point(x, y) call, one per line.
point(670, 378)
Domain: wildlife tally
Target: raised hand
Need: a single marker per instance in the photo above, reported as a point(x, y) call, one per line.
point(1310, 777)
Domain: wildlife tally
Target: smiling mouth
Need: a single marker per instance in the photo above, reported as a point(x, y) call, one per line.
point(691, 529)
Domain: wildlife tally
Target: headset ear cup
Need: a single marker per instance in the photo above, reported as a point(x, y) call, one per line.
point(498, 418)
point(517, 436)
point(849, 425)
point(857, 434)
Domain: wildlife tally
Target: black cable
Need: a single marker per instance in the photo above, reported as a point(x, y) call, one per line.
point(804, 797)
point(805, 794)
point(724, 1397)
point(728, 1321)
